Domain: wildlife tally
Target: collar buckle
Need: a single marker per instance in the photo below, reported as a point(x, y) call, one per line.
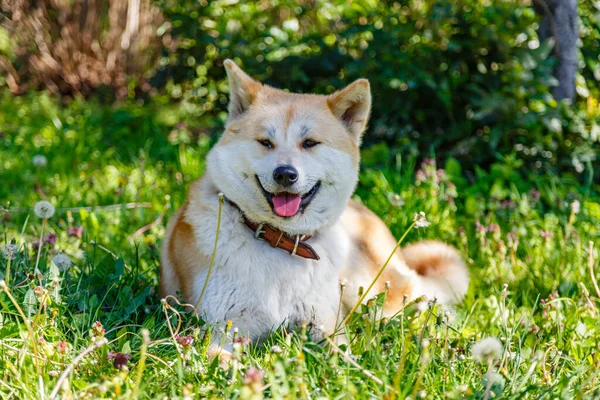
point(259, 230)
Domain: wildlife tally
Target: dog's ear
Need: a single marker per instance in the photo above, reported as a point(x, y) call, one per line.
point(243, 90)
point(352, 105)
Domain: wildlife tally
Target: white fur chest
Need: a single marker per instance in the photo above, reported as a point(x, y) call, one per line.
point(260, 288)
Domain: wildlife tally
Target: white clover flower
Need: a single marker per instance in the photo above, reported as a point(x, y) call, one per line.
point(40, 161)
point(44, 209)
point(9, 251)
point(62, 261)
point(486, 349)
point(420, 220)
point(576, 207)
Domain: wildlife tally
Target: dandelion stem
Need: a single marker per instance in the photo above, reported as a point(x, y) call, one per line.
point(383, 267)
point(488, 385)
point(7, 273)
point(39, 252)
point(426, 323)
point(214, 253)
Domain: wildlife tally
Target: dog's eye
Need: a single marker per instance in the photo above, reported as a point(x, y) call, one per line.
point(308, 143)
point(265, 143)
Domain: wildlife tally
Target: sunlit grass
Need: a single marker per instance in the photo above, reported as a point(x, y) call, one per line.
point(115, 174)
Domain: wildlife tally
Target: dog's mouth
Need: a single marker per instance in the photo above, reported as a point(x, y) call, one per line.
point(286, 204)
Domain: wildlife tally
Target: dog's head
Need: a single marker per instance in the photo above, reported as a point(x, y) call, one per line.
point(289, 160)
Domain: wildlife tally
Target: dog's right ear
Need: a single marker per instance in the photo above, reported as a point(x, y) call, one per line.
point(243, 90)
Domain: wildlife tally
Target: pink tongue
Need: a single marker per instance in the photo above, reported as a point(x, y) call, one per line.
point(286, 205)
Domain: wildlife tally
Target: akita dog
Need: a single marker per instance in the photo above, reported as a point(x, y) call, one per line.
point(286, 166)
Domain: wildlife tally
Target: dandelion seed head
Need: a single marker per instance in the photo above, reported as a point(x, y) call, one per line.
point(40, 161)
point(486, 349)
point(62, 261)
point(10, 251)
point(420, 220)
point(44, 209)
point(447, 313)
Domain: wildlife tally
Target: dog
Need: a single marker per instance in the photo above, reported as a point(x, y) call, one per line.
point(283, 173)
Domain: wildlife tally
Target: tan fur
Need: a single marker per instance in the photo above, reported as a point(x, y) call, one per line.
point(373, 245)
point(180, 257)
point(314, 107)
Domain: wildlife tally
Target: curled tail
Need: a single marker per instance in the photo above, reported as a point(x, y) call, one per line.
point(443, 272)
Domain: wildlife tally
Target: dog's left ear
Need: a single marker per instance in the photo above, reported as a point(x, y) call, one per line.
point(243, 90)
point(352, 105)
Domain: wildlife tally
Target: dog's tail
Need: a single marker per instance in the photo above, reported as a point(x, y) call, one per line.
point(442, 271)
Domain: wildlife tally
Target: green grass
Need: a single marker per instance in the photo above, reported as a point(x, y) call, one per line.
point(537, 296)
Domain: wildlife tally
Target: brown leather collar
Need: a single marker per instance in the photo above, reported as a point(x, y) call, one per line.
point(295, 245)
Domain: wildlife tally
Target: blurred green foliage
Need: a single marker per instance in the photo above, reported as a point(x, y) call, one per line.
point(463, 78)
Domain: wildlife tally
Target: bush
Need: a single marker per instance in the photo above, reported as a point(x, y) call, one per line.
point(469, 79)
point(94, 47)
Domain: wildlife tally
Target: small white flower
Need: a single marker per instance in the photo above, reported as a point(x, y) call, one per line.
point(462, 388)
point(422, 306)
point(62, 261)
point(576, 207)
point(276, 349)
point(44, 209)
point(395, 200)
point(420, 220)
point(486, 349)
point(40, 161)
point(9, 251)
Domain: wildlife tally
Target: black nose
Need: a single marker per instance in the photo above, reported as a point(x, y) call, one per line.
point(286, 175)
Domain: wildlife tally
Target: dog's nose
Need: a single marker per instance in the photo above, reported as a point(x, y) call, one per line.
point(286, 175)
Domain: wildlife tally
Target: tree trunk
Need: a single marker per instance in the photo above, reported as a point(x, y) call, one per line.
point(560, 22)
